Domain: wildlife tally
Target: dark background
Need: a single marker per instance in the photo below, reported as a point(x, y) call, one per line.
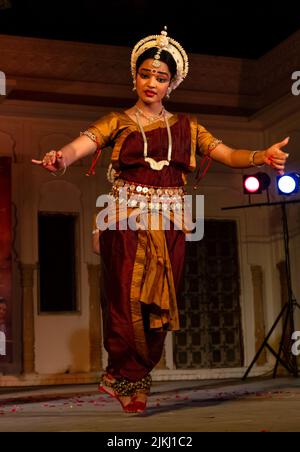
point(243, 29)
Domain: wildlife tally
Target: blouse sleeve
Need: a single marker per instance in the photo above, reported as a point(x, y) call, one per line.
point(103, 130)
point(206, 142)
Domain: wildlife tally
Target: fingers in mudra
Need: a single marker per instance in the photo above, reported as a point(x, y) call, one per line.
point(279, 160)
point(50, 161)
point(51, 158)
point(279, 167)
point(283, 143)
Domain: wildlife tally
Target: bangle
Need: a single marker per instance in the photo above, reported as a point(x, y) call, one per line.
point(95, 231)
point(61, 171)
point(251, 159)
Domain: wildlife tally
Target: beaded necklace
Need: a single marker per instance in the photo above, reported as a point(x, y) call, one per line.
point(151, 118)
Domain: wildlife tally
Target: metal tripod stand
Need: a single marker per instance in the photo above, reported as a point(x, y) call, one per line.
point(287, 313)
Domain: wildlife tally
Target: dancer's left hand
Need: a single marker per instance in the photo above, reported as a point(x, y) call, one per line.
point(275, 157)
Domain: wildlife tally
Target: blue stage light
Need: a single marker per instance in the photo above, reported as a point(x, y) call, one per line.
point(288, 184)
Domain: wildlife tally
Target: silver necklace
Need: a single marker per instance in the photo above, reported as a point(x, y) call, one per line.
point(151, 118)
point(157, 166)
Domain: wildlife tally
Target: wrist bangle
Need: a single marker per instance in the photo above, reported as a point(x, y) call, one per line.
point(61, 171)
point(251, 159)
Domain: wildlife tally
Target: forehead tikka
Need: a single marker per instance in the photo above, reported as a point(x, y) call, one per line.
point(162, 41)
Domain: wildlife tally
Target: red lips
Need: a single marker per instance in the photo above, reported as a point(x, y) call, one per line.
point(150, 93)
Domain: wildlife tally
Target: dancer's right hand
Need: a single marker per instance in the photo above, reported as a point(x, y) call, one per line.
point(52, 161)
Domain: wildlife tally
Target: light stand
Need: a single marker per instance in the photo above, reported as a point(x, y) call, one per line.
point(287, 311)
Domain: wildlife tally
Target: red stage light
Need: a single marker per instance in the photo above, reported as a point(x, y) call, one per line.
point(256, 183)
point(251, 184)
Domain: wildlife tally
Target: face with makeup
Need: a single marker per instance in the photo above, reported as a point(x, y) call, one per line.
point(151, 82)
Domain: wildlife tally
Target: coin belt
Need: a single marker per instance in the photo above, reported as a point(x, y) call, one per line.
point(148, 196)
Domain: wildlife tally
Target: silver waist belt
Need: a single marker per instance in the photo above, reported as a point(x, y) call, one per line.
point(148, 196)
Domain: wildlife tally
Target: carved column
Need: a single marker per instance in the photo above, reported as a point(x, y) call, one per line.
point(259, 315)
point(27, 282)
point(95, 318)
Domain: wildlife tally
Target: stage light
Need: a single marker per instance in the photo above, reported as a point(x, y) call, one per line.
point(288, 184)
point(256, 183)
point(251, 184)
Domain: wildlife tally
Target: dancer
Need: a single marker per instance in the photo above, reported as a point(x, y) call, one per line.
point(141, 270)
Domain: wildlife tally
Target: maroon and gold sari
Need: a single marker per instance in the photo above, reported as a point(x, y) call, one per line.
point(141, 271)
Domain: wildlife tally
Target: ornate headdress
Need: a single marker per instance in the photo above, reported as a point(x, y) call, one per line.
point(162, 42)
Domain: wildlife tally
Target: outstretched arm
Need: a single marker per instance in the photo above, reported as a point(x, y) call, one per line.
point(239, 158)
point(76, 150)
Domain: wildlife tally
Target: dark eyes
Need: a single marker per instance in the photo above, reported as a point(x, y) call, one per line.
point(159, 79)
point(162, 80)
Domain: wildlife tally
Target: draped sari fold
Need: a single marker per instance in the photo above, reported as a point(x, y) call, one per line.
point(139, 304)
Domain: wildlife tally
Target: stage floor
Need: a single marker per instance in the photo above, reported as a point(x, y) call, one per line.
point(188, 406)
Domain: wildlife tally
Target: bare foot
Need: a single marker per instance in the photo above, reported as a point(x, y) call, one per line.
point(104, 386)
point(140, 401)
point(125, 400)
point(141, 397)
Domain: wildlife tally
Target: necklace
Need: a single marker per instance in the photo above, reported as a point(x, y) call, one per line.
point(151, 118)
point(157, 166)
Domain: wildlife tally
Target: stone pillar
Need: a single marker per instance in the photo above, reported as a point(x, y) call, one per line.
point(95, 318)
point(259, 315)
point(27, 283)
